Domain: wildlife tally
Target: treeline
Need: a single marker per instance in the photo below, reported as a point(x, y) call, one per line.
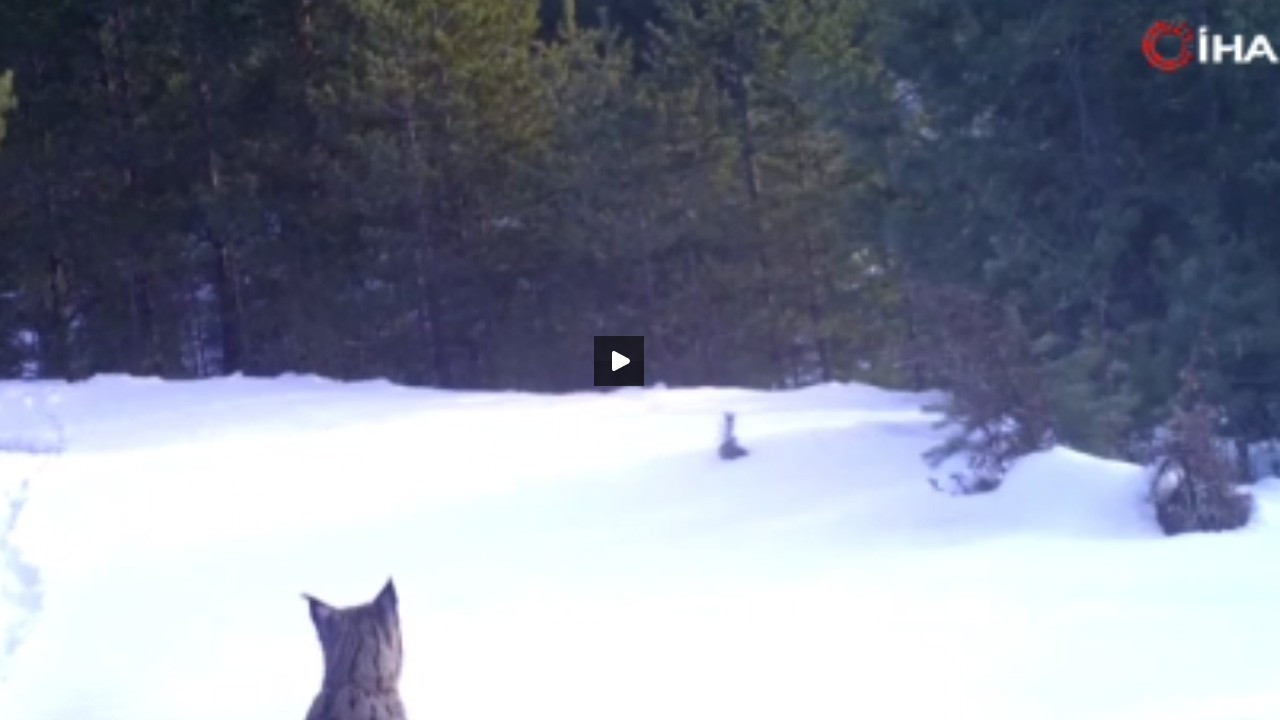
point(998, 197)
point(449, 192)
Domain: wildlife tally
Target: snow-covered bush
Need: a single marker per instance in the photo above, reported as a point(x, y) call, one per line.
point(1193, 482)
point(996, 410)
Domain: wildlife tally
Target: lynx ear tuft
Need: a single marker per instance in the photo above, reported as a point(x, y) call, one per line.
point(320, 611)
point(387, 599)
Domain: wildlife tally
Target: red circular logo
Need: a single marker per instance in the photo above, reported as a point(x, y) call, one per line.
point(1160, 30)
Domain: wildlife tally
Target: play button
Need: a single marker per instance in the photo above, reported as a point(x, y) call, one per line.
point(619, 361)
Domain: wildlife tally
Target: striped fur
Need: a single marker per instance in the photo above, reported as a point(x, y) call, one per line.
point(362, 658)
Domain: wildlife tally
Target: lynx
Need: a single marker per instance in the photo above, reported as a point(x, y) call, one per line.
point(362, 657)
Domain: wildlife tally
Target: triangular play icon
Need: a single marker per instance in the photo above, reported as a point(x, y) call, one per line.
point(619, 361)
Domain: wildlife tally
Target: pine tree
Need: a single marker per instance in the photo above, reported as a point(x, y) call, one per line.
point(10, 353)
point(431, 118)
point(7, 100)
point(794, 221)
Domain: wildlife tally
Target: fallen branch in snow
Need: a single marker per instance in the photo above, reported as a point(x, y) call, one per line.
point(965, 485)
point(988, 451)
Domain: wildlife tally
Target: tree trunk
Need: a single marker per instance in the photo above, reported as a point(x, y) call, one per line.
point(56, 361)
point(144, 357)
point(740, 97)
point(426, 272)
point(226, 280)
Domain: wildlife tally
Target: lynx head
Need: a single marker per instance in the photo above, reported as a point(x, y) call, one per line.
point(361, 644)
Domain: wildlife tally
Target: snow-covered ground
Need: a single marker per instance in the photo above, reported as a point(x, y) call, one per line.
point(587, 556)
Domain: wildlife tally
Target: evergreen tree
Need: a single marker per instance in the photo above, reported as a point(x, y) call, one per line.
point(1051, 168)
point(793, 222)
point(10, 354)
point(430, 119)
point(7, 101)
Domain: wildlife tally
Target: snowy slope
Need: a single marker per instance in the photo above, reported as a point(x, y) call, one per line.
point(587, 556)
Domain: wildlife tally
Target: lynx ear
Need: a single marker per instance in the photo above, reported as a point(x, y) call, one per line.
point(320, 611)
point(387, 599)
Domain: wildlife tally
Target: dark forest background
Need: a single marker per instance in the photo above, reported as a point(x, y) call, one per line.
point(997, 197)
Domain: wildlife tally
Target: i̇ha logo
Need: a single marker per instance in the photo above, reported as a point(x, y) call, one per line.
point(1201, 46)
